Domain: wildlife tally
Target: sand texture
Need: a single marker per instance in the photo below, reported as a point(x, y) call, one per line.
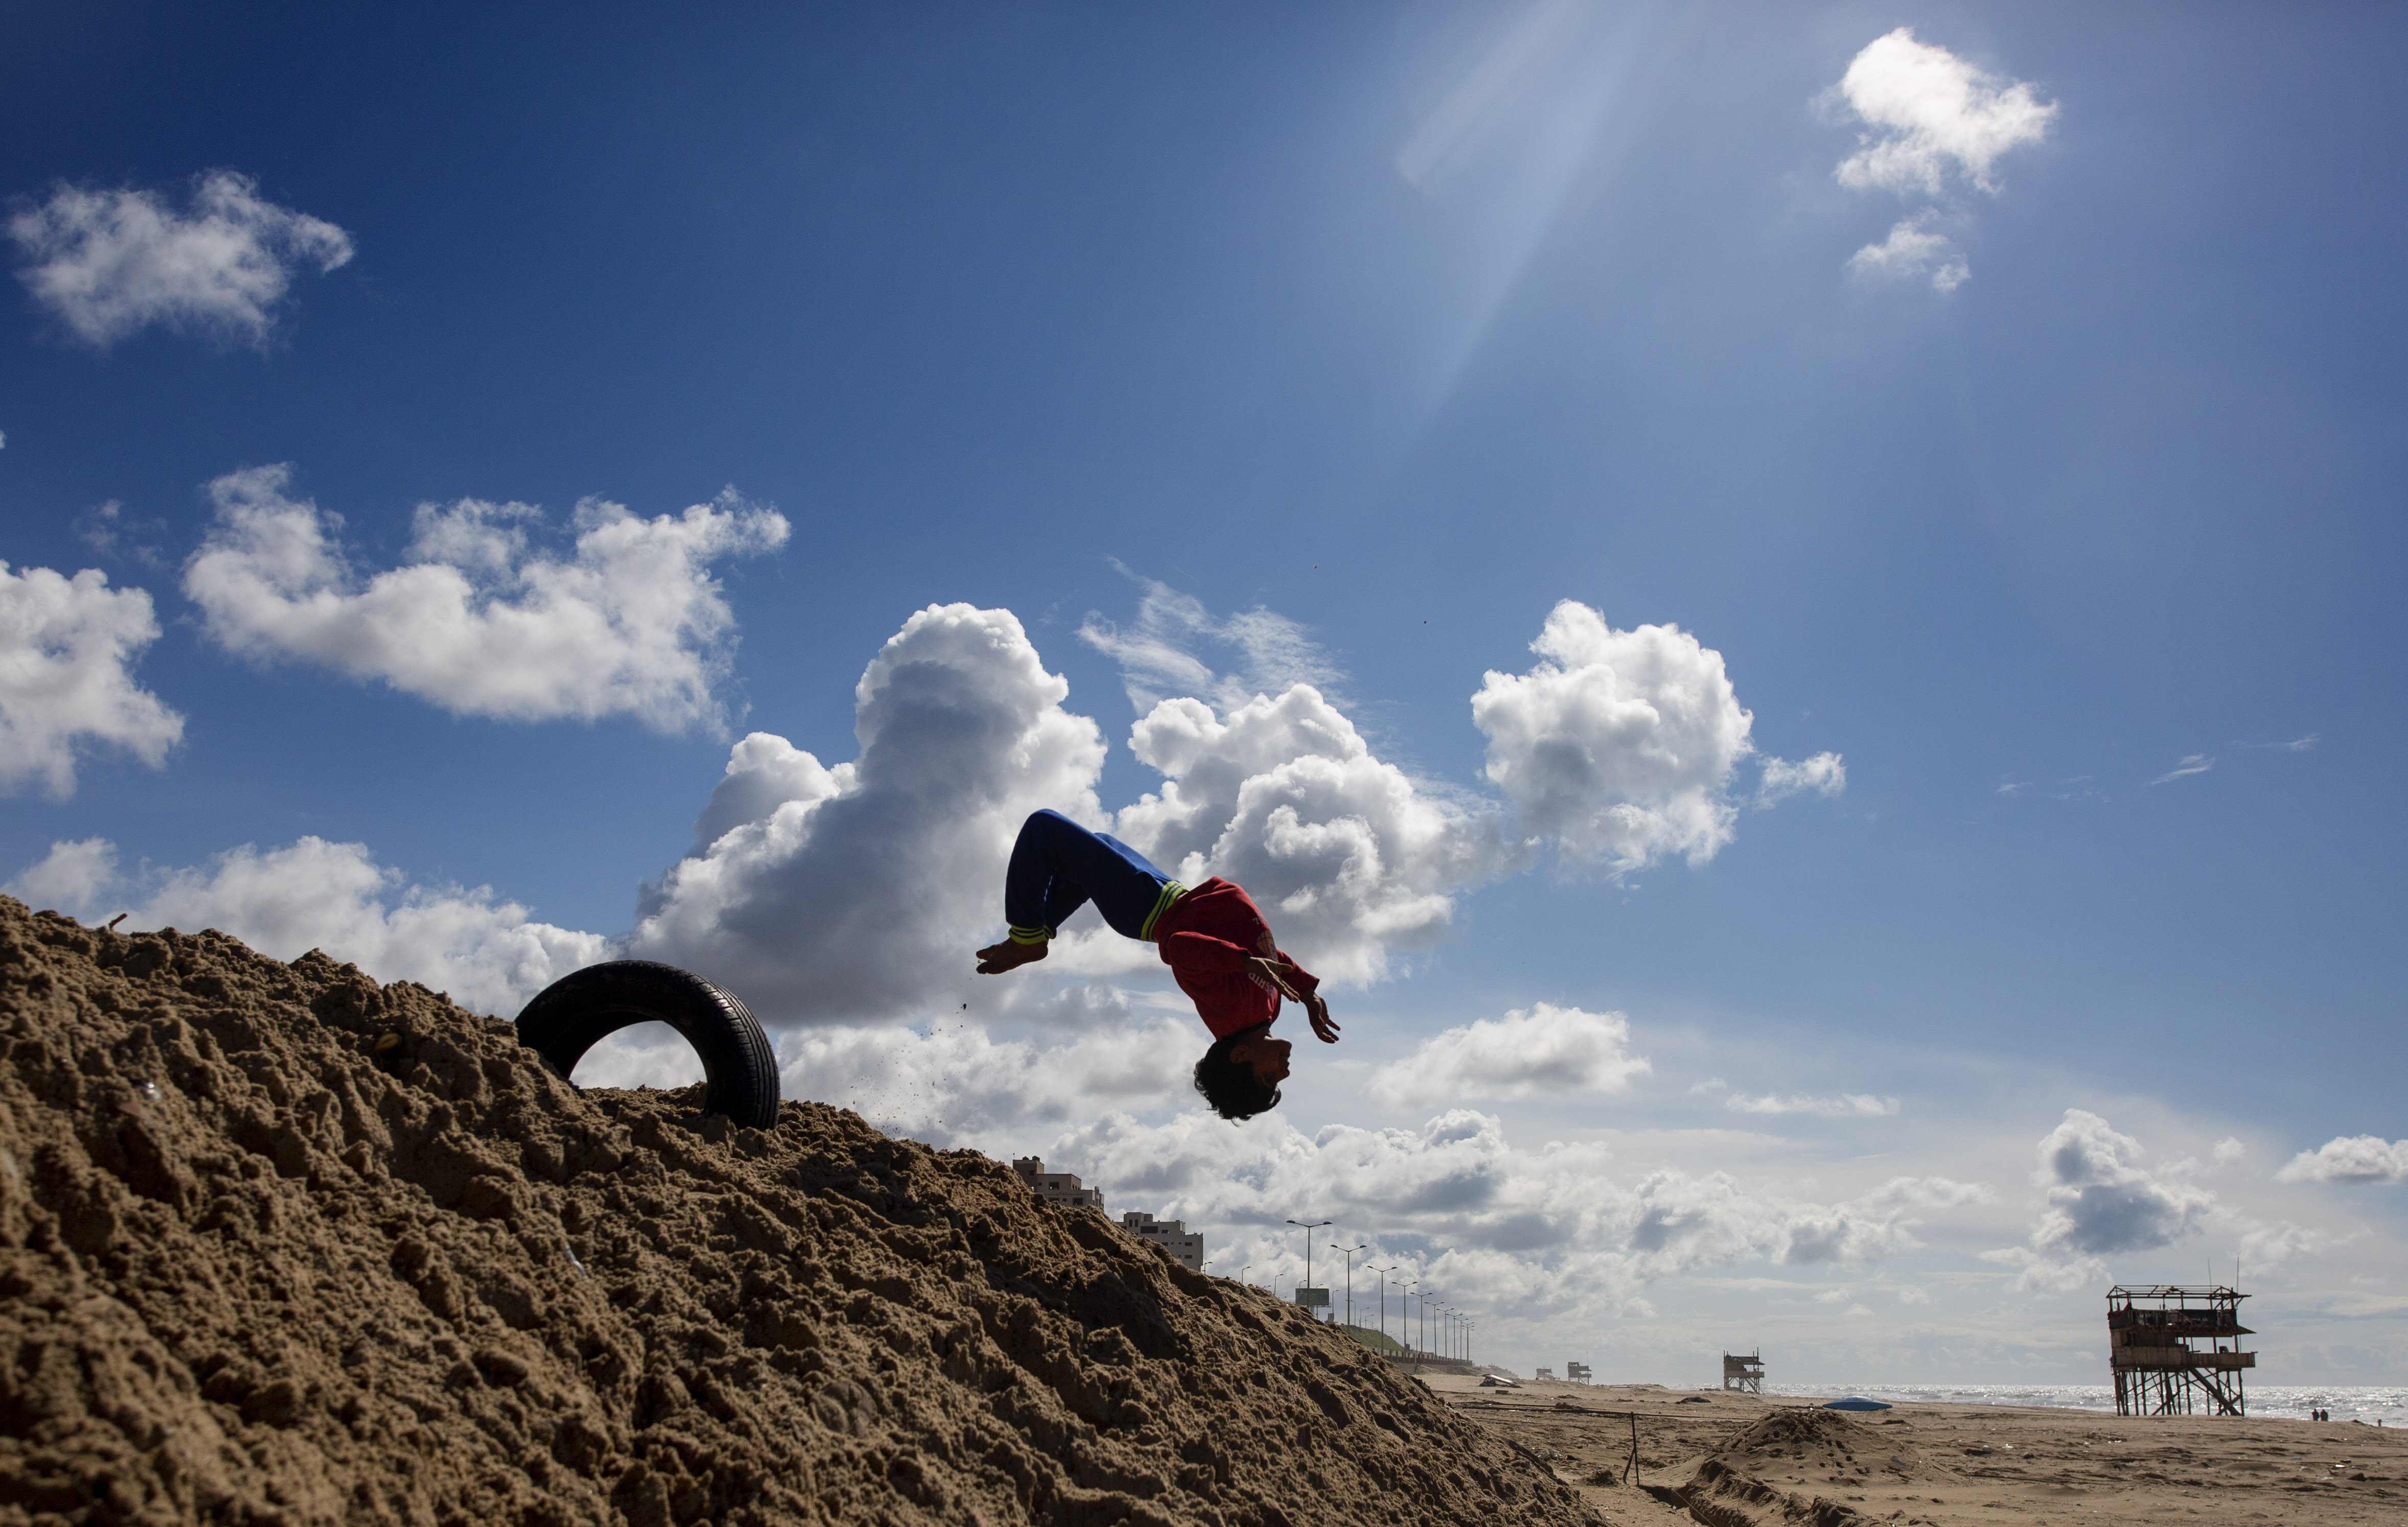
point(255, 1269)
point(1736, 1461)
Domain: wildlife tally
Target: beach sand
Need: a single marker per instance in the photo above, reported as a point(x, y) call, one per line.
point(1738, 1459)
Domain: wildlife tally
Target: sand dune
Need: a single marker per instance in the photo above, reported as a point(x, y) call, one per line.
point(259, 1266)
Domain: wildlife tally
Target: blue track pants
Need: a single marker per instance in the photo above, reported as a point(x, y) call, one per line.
point(1059, 866)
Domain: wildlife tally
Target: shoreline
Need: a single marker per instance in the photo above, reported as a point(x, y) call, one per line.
point(2374, 1405)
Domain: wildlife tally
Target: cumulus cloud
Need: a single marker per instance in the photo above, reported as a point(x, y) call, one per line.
point(109, 263)
point(1349, 857)
point(1517, 1228)
point(858, 891)
point(1932, 121)
point(1931, 117)
point(1542, 1049)
point(481, 622)
point(960, 1081)
point(2351, 1158)
point(67, 648)
point(1619, 745)
point(2101, 1202)
point(1844, 1105)
point(1914, 248)
point(491, 955)
point(1158, 654)
point(1824, 774)
point(71, 878)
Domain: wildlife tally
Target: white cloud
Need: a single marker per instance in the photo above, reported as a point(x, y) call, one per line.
point(1158, 657)
point(1510, 1228)
point(2194, 763)
point(479, 622)
point(1349, 857)
point(2263, 1246)
point(1930, 112)
point(1824, 774)
point(109, 263)
point(70, 878)
point(65, 649)
point(858, 891)
point(2227, 1151)
point(1619, 745)
point(1542, 1049)
point(1845, 1106)
point(2101, 1202)
point(490, 955)
point(1913, 248)
point(2349, 1158)
point(956, 1080)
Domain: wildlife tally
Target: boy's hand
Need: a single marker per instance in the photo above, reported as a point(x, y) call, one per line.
point(1324, 1028)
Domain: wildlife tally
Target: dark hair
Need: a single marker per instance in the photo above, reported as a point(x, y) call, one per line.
point(1231, 1087)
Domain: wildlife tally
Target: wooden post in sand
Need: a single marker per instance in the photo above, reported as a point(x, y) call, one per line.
point(1630, 1472)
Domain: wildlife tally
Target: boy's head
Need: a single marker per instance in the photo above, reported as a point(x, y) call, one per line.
point(1239, 1075)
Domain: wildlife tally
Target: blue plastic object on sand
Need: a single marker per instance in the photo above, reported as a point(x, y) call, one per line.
point(1858, 1402)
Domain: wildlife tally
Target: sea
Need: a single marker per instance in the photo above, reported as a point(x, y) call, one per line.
point(2375, 1405)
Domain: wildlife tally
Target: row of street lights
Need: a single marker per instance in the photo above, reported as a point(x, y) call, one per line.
point(1451, 1328)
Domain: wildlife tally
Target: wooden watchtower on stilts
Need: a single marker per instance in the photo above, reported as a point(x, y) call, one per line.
point(1743, 1372)
point(2158, 1372)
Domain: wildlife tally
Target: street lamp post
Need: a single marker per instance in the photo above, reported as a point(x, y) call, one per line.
point(1350, 1251)
point(1384, 1297)
point(1309, 1226)
point(1243, 1271)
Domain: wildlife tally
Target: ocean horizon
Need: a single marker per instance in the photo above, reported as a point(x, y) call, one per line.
point(2377, 1404)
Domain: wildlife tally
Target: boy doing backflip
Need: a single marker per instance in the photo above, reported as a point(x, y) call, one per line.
point(1212, 938)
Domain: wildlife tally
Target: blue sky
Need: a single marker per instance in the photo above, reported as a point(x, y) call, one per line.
point(2012, 407)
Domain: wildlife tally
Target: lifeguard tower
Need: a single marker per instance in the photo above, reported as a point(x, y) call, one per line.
point(1743, 1372)
point(2158, 1372)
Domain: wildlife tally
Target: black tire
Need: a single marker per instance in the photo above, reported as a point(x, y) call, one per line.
point(568, 1017)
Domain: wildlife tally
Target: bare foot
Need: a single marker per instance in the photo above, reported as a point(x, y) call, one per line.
point(995, 959)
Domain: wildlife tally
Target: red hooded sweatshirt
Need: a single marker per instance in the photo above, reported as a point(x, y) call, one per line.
point(1206, 937)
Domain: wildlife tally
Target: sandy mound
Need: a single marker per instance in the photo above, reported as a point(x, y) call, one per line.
point(1801, 1436)
point(259, 1268)
point(1767, 1472)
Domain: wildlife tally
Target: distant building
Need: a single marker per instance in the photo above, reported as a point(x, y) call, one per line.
point(1055, 1187)
point(1576, 1373)
point(1172, 1235)
point(1743, 1372)
point(1542, 1375)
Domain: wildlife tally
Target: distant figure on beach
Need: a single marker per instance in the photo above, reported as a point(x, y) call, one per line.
point(1212, 936)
